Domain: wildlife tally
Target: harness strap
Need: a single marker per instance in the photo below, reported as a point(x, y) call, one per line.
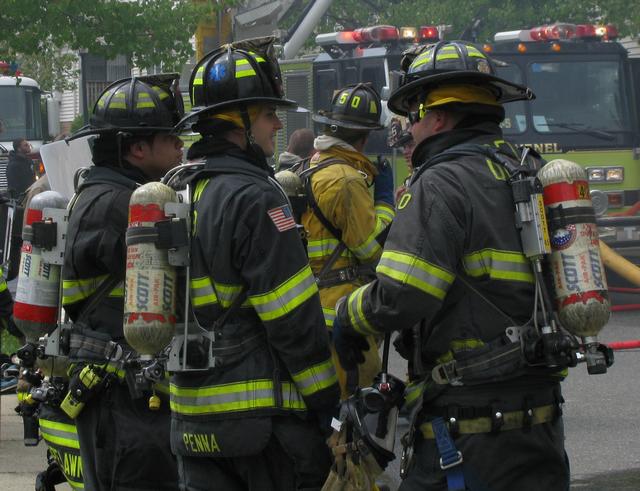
point(450, 456)
point(343, 275)
point(510, 421)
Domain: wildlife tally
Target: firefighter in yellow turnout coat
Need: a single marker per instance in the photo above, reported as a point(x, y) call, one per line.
point(344, 224)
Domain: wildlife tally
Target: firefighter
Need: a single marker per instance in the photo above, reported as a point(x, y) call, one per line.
point(344, 223)
point(256, 420)
point(453, 262)
point(124, 445)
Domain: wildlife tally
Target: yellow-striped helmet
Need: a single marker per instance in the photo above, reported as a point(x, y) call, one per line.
point(450, 63)
point(137, 105)
point(355, 107)
point(241, 73)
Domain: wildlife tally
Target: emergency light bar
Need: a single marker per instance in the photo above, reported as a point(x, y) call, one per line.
point(378, 34)
point(559, 31)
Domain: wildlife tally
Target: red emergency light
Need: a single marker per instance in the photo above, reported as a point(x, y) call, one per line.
point(560, 32)
point(428, 33)
point(376, 34)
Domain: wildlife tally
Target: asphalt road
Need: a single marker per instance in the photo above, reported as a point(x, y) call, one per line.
point(601, 422)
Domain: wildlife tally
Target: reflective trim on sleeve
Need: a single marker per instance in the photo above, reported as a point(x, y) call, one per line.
point(316, 378)
point(228, 293)
point(202, 292)
point(385, 213)
point(498, 265)
point(3, 284)
point(233, 397)
point(321, 248)
point(329, 316)
point(61, 434)
point(371, 248)
point(76, 290)
point(356, 315)
point(411, 270)
point(285, 297)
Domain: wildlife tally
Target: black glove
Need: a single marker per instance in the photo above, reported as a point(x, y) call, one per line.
point(349, 346)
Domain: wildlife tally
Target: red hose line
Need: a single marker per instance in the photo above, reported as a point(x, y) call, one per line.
point(619, 345)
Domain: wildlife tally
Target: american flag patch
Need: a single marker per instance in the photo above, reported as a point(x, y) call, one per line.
point(282, 218)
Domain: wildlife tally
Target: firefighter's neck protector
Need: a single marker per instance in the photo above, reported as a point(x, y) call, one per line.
point(462, 94)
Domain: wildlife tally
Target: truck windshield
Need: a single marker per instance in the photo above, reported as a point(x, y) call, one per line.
point(588, 94)
point(571, 97)
point(20, 113)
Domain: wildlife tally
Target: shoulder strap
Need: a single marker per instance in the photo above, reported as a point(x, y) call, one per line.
point(305, 175)
point(102, 291)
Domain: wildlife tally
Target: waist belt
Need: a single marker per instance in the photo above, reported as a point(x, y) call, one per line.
point(507, 421)
point(345, 275)
point(88, 345)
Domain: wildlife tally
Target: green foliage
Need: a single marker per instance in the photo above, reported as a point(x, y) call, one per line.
point(148, 32)
point(8, 343)
point(77, 123)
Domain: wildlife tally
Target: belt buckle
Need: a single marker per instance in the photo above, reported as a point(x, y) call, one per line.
point(456, 462)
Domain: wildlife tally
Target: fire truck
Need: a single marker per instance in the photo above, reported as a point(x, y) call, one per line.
point(23, 114)
point(586, 108)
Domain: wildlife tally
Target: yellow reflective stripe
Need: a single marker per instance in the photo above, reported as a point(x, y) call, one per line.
point(458, 345)
point(118, 291)
point(329, 316)
point(369, 248)
point(413, 392)
point(356, 315)
point(202, 292)
point(246, 73)
point(411, 270)
point(286, 297)
point(319, 248)
point(228, 293)
point(233, 397)
point(3, 285)
point(198, 79)
point(316, 378)
point(62, 434)
point(498, 265)
point(200, 186)
point(117, 105)
point(384, 213)
point(142, 105)
point(162, 94)
point(244, 69)
point(75, 290)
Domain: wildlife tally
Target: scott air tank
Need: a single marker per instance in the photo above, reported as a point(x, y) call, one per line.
point(36, 302)
point(579, 278)
point(150, 284)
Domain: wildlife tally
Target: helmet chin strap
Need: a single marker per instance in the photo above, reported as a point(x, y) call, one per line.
point(252, 147)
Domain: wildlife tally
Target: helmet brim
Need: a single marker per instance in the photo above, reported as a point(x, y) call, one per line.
point(352, 125)
point(507, 91)
point(197, 112)
point(135, 130)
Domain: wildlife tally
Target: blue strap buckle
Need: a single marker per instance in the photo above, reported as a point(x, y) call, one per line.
point(449, 465)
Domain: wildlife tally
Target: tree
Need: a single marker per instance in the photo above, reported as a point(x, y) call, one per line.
point(149, 32)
